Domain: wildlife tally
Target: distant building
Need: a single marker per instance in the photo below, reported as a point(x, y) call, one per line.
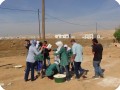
point(65, 36)
point(91, 36)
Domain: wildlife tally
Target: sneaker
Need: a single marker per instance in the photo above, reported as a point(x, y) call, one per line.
point(95, 77)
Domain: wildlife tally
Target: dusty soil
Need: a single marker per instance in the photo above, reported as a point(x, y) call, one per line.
point(14, 78)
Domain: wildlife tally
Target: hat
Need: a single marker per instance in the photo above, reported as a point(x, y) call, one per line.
point(65, 45)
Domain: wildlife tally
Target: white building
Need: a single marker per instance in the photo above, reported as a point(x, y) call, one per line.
point(65, 36)
point(91, 36)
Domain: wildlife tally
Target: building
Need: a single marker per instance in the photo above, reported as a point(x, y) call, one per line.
point(91, 36)
point(65, 36)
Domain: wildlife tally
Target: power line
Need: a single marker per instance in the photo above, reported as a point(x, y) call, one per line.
point(18, 9)
point(65, 20)
point(53, 17)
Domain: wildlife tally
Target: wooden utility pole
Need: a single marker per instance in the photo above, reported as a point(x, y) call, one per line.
point(43, 19)
point(39, 23)
point(96, 29)
point(95, 36)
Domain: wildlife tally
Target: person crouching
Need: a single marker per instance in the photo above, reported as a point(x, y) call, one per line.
point(53, 69)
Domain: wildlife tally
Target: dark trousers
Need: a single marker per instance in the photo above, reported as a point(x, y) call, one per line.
point(66, 69)
point(78, 68)
point(48, 59)
point(29, 66)
point(45, 63)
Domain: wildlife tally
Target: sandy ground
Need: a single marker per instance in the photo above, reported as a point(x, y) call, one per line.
point(14, 78)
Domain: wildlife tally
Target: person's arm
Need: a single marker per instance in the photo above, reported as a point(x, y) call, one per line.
point(93, 49)
point(59, 52)
point(74, 54)
point(36, 51)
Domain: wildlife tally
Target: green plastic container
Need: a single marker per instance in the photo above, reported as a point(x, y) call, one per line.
point(60, 78)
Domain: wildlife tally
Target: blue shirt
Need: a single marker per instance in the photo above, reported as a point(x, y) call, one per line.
point(77, 50)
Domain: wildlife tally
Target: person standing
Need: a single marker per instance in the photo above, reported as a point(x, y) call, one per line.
point(46, 54)
point(77, 58)
point(30, 60)
point(97, 50)
point(64, 62)
point(69, 53)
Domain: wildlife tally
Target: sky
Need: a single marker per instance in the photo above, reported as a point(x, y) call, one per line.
point(62, 16)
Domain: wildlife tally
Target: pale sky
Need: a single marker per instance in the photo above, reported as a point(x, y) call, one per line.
point(62, 16)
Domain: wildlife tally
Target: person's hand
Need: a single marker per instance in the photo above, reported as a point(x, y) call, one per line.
point(41, 49)
point(72, 59)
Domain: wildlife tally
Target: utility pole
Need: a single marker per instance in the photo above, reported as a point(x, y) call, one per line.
point(43, 19)
point(96, 29)
point(39, 23)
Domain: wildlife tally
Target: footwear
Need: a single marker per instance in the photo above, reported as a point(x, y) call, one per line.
point(67, 79)
point(83, 73)
point(95, 77)
point(87, 71)
point(42, 74)
point(38, 73)
point(102, 76)
point(26, 80)
point(77, 78)
point(84, 77)
point(103, 70)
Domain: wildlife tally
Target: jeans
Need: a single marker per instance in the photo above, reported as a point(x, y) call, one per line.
point(29, 66)
point(66, 68)
point(39, 65)
point(97, 68)
point(78, 69)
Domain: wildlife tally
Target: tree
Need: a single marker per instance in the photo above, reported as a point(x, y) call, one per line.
point(117, 34)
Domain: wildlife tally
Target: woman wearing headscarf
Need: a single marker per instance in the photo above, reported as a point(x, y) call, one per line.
point(30, 60)
point(64, 62)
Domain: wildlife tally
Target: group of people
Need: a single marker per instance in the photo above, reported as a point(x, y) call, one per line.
point(66, 60)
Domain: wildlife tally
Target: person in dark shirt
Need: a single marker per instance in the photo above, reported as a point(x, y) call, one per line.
point(97, 50)
point(46, 54)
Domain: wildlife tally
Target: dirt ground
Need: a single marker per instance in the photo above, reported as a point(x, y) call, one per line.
point(13, 78)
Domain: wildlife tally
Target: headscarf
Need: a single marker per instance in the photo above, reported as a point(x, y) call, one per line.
point(66, 46)
point(59, 44)
point(33, 42)
point(37, 44)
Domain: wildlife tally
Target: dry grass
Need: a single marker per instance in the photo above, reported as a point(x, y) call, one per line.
point(16, 46)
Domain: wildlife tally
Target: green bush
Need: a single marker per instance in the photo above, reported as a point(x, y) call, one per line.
point(117, 34)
